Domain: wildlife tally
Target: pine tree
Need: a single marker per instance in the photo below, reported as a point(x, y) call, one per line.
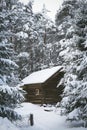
point(25, 40)
point(46, 30)
point(34, 38)
point(73, 53)
point(9, 95)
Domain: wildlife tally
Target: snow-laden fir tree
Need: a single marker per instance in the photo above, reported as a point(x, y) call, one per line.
point(71, 20)
point(34, 38)
point(10, 96)
point(26, 37)
point(46, 30)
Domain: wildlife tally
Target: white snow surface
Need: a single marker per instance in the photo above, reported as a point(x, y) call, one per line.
point(5, 124)
point(23, 54)
point(22, 34)
point(43, 120)
point(41, 76)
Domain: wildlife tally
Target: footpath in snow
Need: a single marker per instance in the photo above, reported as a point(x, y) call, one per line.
point(44, 120)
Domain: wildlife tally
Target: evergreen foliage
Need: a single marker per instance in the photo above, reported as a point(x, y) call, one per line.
point(31, 41)
point(10, 96)
point(71, 21)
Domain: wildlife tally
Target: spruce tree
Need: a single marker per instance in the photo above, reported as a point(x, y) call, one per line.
point(73, 52)
point(10, 96)
point(34, 39)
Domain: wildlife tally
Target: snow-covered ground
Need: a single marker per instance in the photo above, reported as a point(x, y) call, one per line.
point(45, 118)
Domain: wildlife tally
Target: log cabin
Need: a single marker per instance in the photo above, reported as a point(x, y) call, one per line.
point(41, 86)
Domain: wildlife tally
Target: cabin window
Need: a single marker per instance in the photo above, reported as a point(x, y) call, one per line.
point(37, 92)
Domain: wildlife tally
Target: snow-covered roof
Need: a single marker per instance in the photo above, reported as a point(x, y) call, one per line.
point(41, 76)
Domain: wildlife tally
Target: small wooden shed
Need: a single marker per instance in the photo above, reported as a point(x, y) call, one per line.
point(41, 86)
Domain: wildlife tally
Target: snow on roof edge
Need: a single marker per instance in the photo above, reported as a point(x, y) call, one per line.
point(41, 76)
